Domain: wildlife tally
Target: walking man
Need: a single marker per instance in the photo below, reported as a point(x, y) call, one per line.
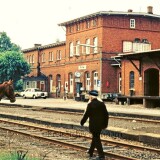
point(98, 119)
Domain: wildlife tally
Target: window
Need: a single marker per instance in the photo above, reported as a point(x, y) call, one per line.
point(127, 46)
point(87, 24)
point(95, 43)
point(87, 46)
point(95, 79)
point(77, 48)
point(87, 81)
point(131, 80)
point(132, 23)
point(78, 27)
point(71, 49)
point(94, 22)
point(50, 56)
point(71, 82)
point(120, 83)
point(58, 55)
point(43, 57)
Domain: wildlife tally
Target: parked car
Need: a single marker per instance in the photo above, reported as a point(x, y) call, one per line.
point(34, 93)
point(112, 96)
point(18, 93)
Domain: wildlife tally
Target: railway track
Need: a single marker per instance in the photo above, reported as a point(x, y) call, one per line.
point(143, 120)
point(79, 141)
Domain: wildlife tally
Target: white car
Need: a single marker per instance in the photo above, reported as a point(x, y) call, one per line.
point(34, 93)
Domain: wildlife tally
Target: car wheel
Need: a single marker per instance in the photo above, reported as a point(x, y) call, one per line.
point(34, 97)
point(24, 96)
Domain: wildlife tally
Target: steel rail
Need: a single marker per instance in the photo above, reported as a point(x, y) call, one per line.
point(87, 137)
point(67, 144)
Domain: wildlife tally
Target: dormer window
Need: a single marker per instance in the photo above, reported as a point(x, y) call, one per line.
point(132, 23)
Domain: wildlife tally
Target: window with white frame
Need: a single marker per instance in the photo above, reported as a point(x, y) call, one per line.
point(132, 23)
point(77, 48)
point(78, 27)
point(71, 49)
point(71, 82)
point(94, 22)
point(50, 56)
point(95, 43)
point(87, 24)
point(87, 75)
point(58, 55)
point(33, 58)
point(119, 83)
point(43, 57)
point(127, 46)
point(87, 46)
point(95, 79)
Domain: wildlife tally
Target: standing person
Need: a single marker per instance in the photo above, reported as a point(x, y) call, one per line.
point(98, 119)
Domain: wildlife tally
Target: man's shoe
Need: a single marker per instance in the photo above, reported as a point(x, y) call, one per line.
point(90, 155)
point(100, 158)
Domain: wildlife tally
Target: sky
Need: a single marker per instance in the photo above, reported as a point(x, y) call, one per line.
point(28, 22)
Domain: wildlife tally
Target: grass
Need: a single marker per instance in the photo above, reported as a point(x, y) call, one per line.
point(15, 156)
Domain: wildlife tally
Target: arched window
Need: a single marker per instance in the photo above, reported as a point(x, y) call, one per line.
point(131, 80)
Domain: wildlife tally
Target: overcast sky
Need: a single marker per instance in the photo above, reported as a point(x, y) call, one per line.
point(28, 22)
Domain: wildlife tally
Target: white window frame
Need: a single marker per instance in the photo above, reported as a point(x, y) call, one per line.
point(132, 23)
point(87, 47)
point(88, 81)
point(127, 46)
point(95, 43)
point(43, 57)
point(71, 49)
point(50, 56)
point(95, 80)
point(71, 82)
point(77, 48)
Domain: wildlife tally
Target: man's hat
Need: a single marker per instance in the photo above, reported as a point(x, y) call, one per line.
point(93, 93)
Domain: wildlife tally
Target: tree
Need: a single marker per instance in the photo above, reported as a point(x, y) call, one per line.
point(5, 43)
point(12, 63)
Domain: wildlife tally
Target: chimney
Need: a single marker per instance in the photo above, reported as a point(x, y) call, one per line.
point(37, 45)
point(150, 10)
point(130, 10)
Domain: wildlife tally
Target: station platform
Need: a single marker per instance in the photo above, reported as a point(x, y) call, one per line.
point(79, 106)
point(135, 133)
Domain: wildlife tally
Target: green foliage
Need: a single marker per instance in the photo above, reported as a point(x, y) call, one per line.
point(14, 156)
point(5, 43)
point(12, 63)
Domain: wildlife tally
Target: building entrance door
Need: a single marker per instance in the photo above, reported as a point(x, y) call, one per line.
point(151, 82)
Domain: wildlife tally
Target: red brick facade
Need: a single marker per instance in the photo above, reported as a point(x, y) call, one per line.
point(91, 43)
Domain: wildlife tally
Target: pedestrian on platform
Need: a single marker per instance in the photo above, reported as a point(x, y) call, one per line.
point(98, 120)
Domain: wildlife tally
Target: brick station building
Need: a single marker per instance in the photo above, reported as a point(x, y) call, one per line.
point(91, 56)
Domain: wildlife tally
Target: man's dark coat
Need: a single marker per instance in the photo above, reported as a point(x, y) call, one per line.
point(98, 115)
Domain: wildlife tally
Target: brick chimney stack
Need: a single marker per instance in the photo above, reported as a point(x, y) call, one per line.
point(150, 10)
point(130, 10)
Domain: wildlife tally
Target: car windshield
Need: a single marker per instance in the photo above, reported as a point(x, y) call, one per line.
point(37, 90)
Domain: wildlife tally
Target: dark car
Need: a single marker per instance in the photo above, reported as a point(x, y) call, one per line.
point(112, 96)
